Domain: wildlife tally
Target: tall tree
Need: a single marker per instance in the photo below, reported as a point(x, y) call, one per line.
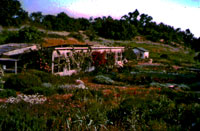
point(11, 13)
point(36, 17)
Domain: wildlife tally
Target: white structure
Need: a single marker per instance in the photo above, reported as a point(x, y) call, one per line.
point(141, 52)
point(61, 55)
point(9, 52)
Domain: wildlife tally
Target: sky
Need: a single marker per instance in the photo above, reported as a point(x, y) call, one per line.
point(184, 14)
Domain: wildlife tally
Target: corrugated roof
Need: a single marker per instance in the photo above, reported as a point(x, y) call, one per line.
point(142, 49)
point(10, 47)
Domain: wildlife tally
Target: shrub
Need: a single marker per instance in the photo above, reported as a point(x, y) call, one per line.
point(30, 35)
point(40, 60)
point(8, 36)
point(103, 80)
point(22, 81)
point(7, 93)
point(40, 90)
point(195, 86)
point(91, 34)
point(44, 76)
point(129, 54)
point(77, 36)
point(165, 56)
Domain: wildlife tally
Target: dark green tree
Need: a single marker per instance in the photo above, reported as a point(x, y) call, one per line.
point(36, 17)
point(30, 35)
point(11, 13)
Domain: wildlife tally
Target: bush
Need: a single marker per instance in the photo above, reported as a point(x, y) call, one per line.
point(44, 76)
point(40, 90)
point(30, 35)
point(103, 80)
point(195, 86)
point(22, 81)
point(164, 56)
point(129, 54)
point(77, 36)
point(7, 93)
point(8, 36)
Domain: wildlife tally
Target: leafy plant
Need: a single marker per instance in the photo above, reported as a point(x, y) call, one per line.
point(40, 90)
point(77, 36)
point(22, 81)
point(7, 93)
point(30, 35)
point(103, 80)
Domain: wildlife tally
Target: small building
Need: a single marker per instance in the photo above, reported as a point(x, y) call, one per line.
point(9, 54)
point(141, 53)
point(61, 64)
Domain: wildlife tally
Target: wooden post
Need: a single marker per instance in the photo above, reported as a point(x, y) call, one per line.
point(15, 67)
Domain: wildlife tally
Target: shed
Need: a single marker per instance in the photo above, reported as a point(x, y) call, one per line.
point(9, 54)
point(141, 52)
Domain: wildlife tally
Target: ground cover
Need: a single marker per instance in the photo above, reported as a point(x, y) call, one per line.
point(111, 106)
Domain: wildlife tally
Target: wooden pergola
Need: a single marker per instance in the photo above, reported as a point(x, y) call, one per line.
point(10, 60)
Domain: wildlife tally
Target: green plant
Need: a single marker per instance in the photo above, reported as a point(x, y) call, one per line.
point(103, 80)
point(129, 54)
point(77, 36)
point(7, 93)
point(22, 81)
point(40, 90)
point(30, 35)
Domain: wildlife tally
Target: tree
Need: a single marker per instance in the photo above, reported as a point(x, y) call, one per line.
point(11, 13)
point(30, 35)
point(36, 17)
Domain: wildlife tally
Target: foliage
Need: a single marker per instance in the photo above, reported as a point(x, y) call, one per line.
point(80, 60)
point(8, 37)
point(165, 56)
point(195, 86)
point(7, 93)
point(12, 13)
point(78, 36)
point(37, 59)
point(91, 34)
point(40, 90)
point(99, 59)
point(44, 76)
point(103, 80)
point(29, 35)
point(129, 54)
point(146, 77)
point(22, 81)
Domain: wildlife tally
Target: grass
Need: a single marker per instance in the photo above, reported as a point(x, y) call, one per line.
point(176, 57)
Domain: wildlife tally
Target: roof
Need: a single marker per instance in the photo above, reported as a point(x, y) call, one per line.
point(141, 49)
point(8, 59)
point(15, 49)
point(85, 48)
point(53, 42)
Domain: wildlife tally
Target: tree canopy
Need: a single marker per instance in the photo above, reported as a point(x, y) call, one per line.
point(11, 13)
